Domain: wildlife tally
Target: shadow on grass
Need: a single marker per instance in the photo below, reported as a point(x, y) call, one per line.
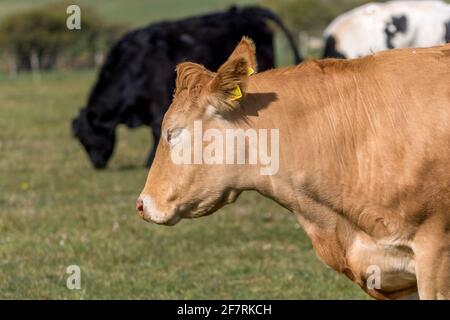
point(128, 167)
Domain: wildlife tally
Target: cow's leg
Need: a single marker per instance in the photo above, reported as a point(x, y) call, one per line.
point(432, 247)
point(156, 133)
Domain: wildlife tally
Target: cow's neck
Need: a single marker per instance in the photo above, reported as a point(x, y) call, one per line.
point(317, 143)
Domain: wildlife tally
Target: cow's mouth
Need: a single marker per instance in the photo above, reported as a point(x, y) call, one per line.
point(148, 211)
point(165, 222)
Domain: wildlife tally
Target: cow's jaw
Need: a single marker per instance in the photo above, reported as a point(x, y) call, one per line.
point(150, 211)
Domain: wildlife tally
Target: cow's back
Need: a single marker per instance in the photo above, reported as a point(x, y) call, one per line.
point(400, 158)
point(378, 128)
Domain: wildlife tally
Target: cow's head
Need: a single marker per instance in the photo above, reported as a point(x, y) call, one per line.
point(97, 140)
point(176, 189)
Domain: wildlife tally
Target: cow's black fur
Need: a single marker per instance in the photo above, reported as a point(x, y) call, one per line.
point(447, 31)
point(136, 82)
point(399, 24)
point(330, 49)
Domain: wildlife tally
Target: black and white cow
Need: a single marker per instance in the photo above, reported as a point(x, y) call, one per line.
point(136, 82)
point(380, 26)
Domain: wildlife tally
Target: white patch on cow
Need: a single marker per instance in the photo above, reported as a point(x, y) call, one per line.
point(180, 147)
point(371, 8)
point(178, 135)
point(392, 28)
point(397, 266)
point(425, 26)
point(212, 112)
point(151, 211)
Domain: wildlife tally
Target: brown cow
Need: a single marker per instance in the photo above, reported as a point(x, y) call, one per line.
point(363, 159)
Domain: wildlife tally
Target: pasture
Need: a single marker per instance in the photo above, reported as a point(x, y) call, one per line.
point(55, 210)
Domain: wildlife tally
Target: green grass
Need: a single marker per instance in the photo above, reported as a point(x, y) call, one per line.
point(55, 210)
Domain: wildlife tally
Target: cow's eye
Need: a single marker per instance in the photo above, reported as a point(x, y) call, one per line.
point(173, 135)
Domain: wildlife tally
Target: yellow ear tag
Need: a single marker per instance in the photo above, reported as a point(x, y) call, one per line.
point(236, 93)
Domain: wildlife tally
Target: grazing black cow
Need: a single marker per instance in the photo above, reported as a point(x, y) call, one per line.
point(136, 82)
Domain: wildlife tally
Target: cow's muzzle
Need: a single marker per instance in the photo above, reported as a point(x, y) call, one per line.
point(147, 210)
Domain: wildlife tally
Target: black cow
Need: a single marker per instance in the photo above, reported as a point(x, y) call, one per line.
point(136, 82)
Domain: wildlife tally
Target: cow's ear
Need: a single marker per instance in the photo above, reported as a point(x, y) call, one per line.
point(188, 74)
point(229, 84)
point(246, 49)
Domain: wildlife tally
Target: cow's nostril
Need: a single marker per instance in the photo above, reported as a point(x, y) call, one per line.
point(140, 205)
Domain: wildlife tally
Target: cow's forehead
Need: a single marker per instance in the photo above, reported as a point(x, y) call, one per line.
point(189, 100)
point(182, 101)
point(181, 111)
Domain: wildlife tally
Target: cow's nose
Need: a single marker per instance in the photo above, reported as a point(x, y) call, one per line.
point(140, 206)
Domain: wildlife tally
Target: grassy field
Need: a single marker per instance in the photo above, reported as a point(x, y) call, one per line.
point(56, 211)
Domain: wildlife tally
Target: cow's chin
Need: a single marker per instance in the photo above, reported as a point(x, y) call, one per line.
point(172, 221)
point(165, 222)
point(176, 218)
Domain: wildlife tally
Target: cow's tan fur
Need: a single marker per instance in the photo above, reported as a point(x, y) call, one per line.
point(364, 159)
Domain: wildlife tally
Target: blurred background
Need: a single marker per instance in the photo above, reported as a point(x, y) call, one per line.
point(56, 210)
point(31, 39)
